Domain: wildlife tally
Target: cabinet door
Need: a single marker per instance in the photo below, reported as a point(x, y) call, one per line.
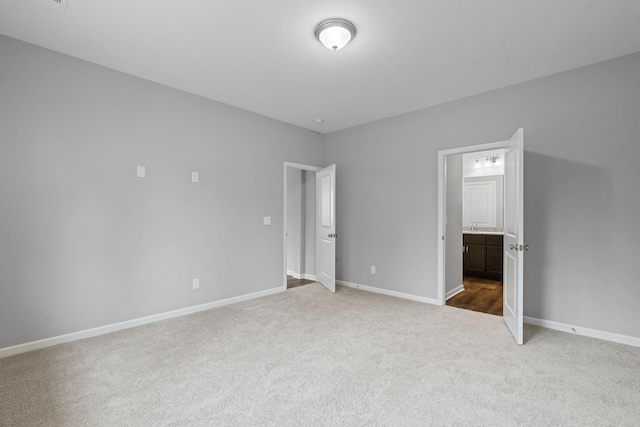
point(479, 204)
point(476, 259)
point(494, 261)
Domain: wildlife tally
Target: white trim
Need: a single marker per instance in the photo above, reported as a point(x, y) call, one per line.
point(87, 333)
point(388, 292)
point(301, 166)
point(284, 213)
point(452, 293)
point(592, 333)
point(442, 171)
point(300, 276)
point(294, 274)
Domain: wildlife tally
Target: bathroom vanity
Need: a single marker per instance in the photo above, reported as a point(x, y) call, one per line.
point(483, 255)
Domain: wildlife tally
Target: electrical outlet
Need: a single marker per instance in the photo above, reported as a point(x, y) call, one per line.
point(196, 283)
point(373, 269)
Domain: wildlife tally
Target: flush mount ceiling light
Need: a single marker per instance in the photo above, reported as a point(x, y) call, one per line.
point(335, 33)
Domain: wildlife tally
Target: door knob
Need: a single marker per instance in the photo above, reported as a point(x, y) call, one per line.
point(522, 247)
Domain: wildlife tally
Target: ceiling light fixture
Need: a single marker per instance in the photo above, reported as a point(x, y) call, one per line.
point(335, 33)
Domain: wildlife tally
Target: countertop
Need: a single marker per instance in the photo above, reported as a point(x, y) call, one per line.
point(498, 233)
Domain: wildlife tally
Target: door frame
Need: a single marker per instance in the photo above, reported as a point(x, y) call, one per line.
point(442, 206)
point(284, 214)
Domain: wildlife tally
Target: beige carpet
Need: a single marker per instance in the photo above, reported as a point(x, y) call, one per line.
point(306, 357)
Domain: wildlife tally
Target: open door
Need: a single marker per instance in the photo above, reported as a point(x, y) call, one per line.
point(514, 235)
point(326, 227)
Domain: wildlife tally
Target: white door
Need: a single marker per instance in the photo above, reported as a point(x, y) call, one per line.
point(514, 235)
point(326, 227)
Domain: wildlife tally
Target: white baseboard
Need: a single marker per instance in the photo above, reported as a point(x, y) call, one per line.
point(452, 293)
point(302, 275)
point(593, 333)
point(607, 336)
point(388, 292)
point(48, 342)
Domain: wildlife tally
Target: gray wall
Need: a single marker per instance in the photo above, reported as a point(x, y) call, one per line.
point(83, 242)
point(499, 180)
point(581, 192)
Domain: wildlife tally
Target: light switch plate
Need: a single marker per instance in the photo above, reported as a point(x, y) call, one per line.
point(266, 220)
point(195, 177)
point(141, 172)
point(196, 283)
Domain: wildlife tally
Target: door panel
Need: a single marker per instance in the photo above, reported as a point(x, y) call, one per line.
point(326, 228)
point(514, 236)
point(510, 292)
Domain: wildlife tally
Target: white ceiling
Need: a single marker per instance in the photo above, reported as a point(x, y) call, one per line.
point(262, 55)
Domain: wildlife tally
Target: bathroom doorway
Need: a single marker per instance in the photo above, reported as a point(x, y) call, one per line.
point(482, 232)
point(450, 230)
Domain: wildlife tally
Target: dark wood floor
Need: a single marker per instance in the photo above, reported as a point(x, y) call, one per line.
point(483, 295)
point(292, 282)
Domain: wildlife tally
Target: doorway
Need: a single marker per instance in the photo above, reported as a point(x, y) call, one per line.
point(450, 247)
point(482, 219)
point(320, 256)
point(299, 224)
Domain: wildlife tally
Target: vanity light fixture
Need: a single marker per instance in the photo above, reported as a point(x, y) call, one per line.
point(335, 33)
point(488, 162)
